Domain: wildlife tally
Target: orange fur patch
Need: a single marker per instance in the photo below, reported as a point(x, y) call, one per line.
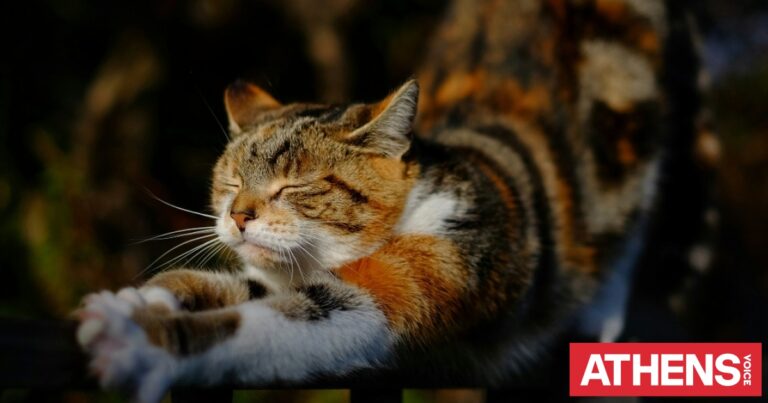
point(388, 168)
point(418, 282)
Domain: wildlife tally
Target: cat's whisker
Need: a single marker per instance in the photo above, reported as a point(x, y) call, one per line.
point(180, 208)
point(308, 253)
point(231, 254)
point(290, 265)
point(192, 252)
point(212, 254)
point(195, 253)
point(177, 234)
point(154, 262)
point(309, 238)
point(206, 253)
point(224, 254)
point(283, 260)
point(190, 259)
point(208, 256)
point(216, 118)
point(151, 265)
point(301, 272)
point(298, 265)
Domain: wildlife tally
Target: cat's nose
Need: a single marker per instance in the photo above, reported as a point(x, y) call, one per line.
point(242, 217)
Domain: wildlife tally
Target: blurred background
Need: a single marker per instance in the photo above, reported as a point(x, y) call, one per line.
point(104, 102)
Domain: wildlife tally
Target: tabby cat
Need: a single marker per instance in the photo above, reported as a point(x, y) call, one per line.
point(456, 227)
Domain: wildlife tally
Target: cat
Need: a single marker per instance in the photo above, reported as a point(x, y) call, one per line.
point(454, 228)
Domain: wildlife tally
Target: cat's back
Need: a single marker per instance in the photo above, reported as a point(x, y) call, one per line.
point(593, 93)
point(582, 104)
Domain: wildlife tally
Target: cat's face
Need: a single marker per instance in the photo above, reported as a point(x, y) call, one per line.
point(311, 185)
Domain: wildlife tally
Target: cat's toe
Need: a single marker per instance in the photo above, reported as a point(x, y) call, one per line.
point(89, 330)
point(132, 296)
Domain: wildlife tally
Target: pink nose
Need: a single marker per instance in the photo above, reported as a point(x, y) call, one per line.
point(242, 217)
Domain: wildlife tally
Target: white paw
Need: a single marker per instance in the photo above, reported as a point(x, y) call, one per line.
point(121, 355)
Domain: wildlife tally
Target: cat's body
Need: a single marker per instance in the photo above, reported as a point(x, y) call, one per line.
point(462, 252)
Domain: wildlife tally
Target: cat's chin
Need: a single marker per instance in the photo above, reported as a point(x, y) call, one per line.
point(259, 255)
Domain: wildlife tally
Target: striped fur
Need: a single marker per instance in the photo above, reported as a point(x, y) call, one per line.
point(542, 125)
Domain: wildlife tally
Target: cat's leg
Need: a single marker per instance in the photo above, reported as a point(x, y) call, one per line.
point(321, 328)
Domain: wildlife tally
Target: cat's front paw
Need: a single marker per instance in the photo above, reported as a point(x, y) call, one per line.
point(121, 355)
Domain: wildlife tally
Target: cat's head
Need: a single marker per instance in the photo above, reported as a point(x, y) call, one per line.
point(308, 184)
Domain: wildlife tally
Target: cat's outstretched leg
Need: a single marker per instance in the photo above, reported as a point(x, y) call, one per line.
point(320, 328)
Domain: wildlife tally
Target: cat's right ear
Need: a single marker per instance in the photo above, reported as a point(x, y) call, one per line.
point(245, 102)
point(388, 133)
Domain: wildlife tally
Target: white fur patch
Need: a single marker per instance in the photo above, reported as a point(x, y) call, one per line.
point(268, 346)
point(427, 214)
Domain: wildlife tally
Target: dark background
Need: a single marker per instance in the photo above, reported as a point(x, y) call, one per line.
point(101, 100)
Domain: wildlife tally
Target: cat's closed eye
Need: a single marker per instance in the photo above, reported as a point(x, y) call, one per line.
point(293, 188)
point(228, 186)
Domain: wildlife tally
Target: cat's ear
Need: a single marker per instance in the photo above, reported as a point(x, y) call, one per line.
point(388, 131)
point(245, 102)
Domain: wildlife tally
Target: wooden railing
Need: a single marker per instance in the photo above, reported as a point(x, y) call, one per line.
point(39, 354)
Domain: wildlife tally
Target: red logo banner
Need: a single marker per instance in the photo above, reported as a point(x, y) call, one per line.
point(665, 369)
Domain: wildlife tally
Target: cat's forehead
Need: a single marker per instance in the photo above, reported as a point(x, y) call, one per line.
point(298, 132)
point(264, 151)
point(297, 120)
point(299, 124)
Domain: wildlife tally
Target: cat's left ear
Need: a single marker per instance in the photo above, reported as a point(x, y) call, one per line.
point(245, 102)
point(389, 130)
